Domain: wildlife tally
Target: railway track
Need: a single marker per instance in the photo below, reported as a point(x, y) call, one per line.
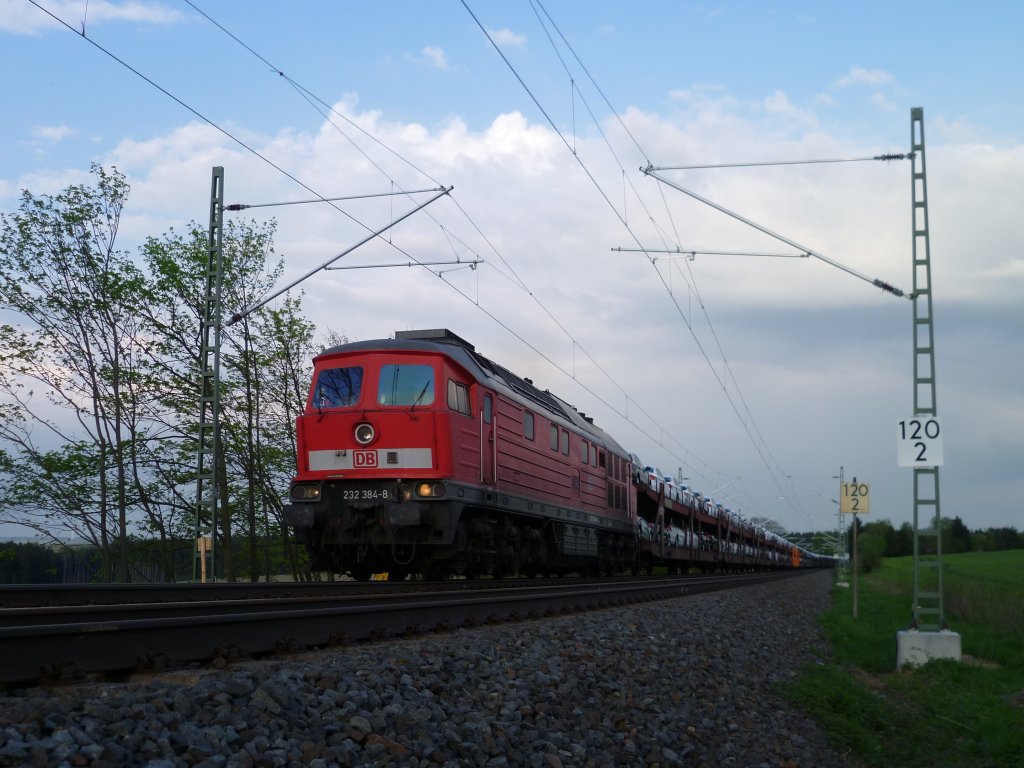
point(118, 631)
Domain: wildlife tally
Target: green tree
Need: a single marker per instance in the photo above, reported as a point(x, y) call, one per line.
point(955, 536)
point(264, 374)
point(905, 539)
point(74, 295)
point(872, 547)
point(102, 363)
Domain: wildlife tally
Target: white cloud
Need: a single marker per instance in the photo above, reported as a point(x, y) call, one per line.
point(1011, 268)
point(54, 133)
point(778, 104)
point(507, 38)
point(959, 130)
point(435, 57)
point(698, 91)
point(882, 101)
point(860, 76)
point(22, 18)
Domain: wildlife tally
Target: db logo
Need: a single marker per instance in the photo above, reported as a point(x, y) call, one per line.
point(364, 459)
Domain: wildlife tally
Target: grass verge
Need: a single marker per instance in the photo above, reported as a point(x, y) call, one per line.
point(944, 713)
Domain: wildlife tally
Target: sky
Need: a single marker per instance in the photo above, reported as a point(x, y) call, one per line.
point(755, 372)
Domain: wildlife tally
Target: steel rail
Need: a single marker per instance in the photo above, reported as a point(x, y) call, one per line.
point(180, 634)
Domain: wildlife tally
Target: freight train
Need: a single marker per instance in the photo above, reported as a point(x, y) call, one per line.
point(418, 455)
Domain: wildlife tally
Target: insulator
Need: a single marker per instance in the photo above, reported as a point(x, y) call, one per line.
point(235, 207)
point(891, 156)
point(888, 287)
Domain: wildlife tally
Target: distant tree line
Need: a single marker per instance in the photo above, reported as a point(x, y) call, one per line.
point(35, 563)
point(879, 539)
point(99, 390)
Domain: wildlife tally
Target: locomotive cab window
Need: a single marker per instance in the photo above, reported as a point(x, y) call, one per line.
point(338, 387)
point(409, 385)
point(528, 425)
point(458, 397)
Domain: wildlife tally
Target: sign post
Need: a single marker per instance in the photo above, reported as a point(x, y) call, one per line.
point(854, 499)
point(204, 546)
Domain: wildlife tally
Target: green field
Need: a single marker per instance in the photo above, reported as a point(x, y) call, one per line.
point(945, 713)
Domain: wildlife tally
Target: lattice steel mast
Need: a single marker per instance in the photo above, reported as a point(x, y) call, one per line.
point(207, 490)
point(928, 603)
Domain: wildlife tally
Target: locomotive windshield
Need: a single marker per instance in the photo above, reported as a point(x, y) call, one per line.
point(406, 385)
point(338, 387)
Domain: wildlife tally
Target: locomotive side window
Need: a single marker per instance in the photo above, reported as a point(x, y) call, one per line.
point(593, 454)
point(338, 387)
point(406, 385)
point(600, 459)
point(528, 425)
point(458, 397)
point(488, 409)
point(584, 452)
point(565, 442)
point(554, 438)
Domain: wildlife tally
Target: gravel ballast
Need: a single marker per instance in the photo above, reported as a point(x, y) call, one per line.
point(681, 682)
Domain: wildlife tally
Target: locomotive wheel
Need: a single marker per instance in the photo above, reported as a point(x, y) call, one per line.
point(360, 572)
point(435, 571)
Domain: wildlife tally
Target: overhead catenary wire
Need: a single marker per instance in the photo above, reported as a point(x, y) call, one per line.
point(743, 421)
point(325, 109)
point(311, 98)
point(285, 173)
point(373, 233)
point(888, 157)
point(193, 110)
point(692, 252)
point(235, 139)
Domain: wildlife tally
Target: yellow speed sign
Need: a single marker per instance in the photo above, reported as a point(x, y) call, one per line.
point(854, 498)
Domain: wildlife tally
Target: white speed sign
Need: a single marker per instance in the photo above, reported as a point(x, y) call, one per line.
point(919, 442)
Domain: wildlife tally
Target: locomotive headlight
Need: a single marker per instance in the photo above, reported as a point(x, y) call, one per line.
point(364, 433)
point(427, 490)
point(305, 492)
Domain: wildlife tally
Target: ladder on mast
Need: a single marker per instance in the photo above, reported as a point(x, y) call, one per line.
point(928, 604)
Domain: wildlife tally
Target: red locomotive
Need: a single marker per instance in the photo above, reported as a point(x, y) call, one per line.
point(419, 455)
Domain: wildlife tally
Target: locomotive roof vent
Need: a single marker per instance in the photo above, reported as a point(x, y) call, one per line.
point(440, 335)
